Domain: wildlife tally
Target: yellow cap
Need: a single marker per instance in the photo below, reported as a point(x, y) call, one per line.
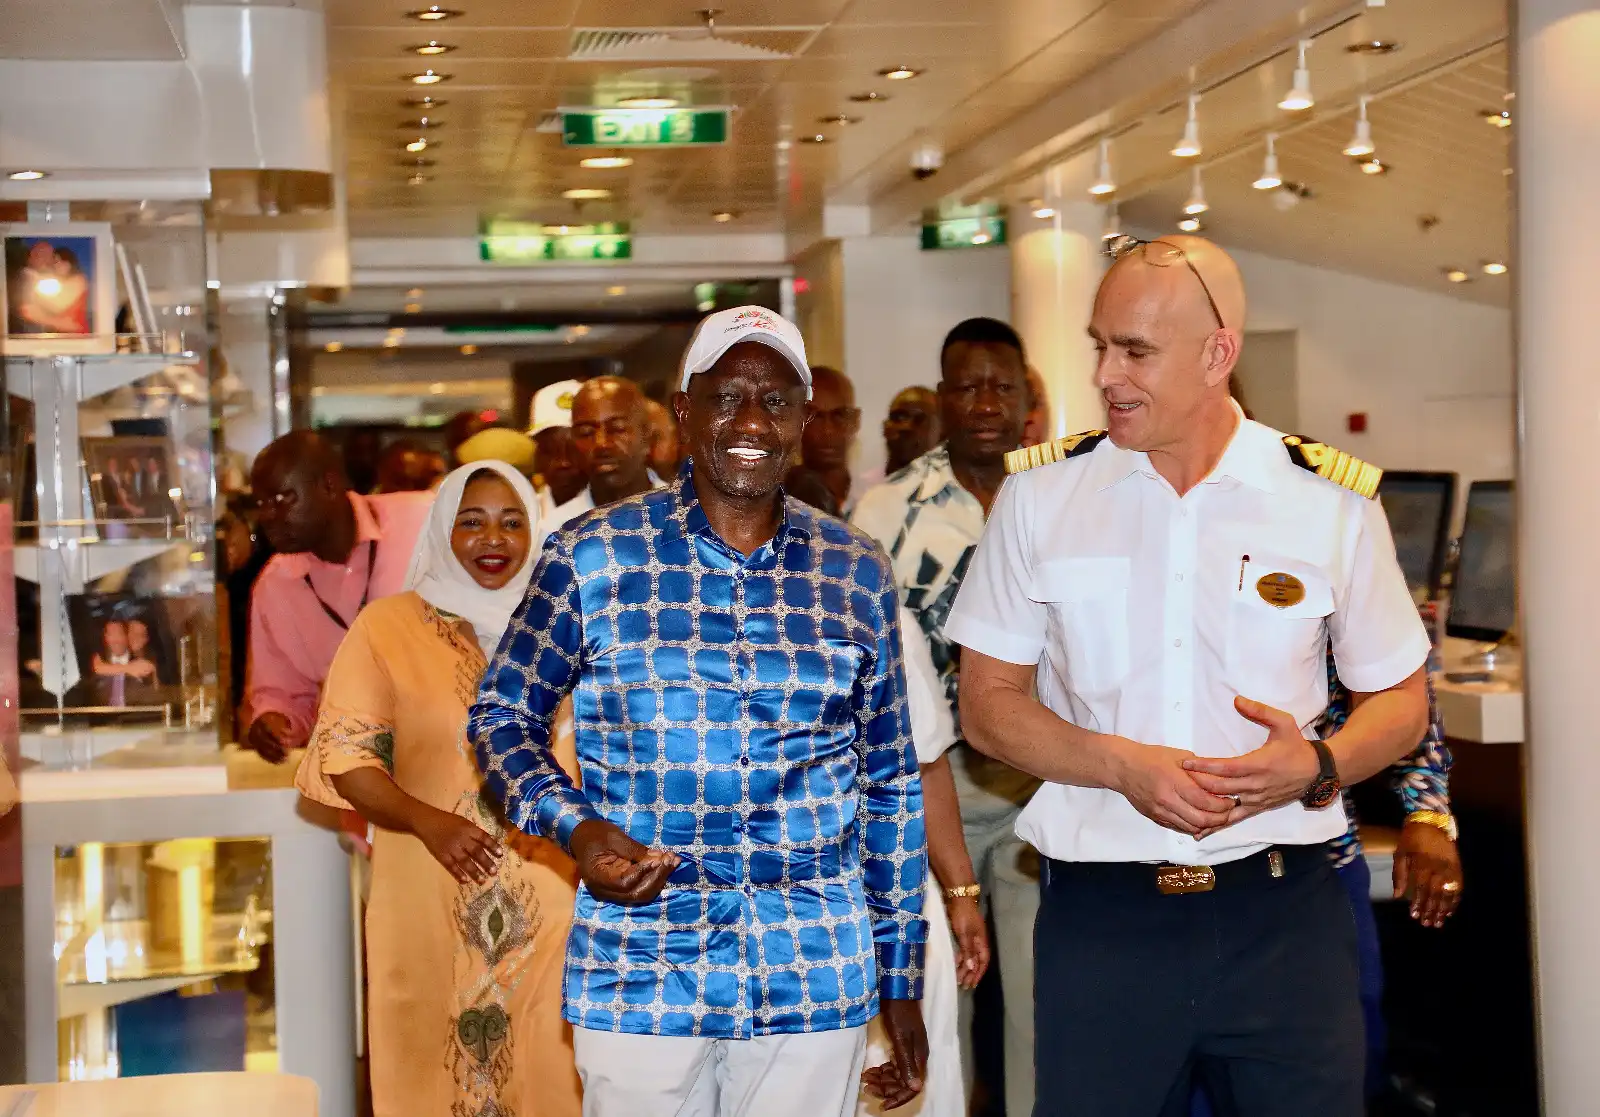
point(498, 444)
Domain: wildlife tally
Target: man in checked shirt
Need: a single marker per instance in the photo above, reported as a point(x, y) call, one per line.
point(749, 830)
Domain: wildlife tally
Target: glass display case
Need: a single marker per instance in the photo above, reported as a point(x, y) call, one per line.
point(107, 434)
point(161, 957)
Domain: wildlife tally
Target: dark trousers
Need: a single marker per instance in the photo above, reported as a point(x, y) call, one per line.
point(1249, 990)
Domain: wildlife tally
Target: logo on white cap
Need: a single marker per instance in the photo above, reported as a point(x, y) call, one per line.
point(721, 331)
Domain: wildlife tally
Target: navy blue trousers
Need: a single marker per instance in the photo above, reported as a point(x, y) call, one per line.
point(1249, 991)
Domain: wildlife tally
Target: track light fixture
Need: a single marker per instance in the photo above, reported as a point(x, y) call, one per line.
point(1270, 178)
point(1196, 204)
point(1299, 98)
point(1361, 142)
point(1103, 183)
point(1189, 145)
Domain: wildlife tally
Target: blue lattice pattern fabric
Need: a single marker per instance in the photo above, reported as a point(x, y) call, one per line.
point(1421, 778)
point(747, 713)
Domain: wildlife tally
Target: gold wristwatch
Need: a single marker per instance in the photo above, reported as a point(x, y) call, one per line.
point(1439, 820)
point(963, 892)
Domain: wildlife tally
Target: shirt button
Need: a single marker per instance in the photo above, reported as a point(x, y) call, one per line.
point(1177, 577)
point(744, 762)
point(1177, 705)
point(749, 891)
point(1178, 643)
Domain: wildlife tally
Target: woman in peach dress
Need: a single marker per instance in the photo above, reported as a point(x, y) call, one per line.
point(467, 921)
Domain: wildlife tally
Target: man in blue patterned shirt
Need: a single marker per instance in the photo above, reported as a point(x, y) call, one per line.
point(749, 831)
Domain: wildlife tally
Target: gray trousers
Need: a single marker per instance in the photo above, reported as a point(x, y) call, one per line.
point(991, 796)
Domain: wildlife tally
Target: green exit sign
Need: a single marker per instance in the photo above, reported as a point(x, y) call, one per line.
point(644, 127)
point(528, 242)
point(964, 232)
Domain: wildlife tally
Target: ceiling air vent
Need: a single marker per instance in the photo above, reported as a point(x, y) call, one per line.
point(678, 44)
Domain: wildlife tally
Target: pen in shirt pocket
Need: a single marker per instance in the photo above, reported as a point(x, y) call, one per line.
point(1244, 560)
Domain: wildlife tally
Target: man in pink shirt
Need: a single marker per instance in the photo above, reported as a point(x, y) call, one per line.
point(336, 551)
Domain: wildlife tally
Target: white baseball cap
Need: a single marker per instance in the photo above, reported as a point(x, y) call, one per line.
point(552, 405)
point(720, 332)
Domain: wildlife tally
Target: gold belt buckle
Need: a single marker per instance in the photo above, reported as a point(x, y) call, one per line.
point(1180, 880)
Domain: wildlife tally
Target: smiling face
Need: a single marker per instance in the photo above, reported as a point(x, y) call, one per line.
point(138, 637)
point(743, 420)
point(116, 638)
point(983, 399)
point(490, 536)
point(1162, 362)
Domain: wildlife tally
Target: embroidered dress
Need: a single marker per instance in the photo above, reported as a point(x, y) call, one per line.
point(464, 980)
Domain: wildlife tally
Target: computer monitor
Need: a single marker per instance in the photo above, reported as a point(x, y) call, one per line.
point(1483, 598)
point(1419, 507)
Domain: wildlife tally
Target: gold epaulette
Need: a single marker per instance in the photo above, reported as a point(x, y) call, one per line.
point(1057, 450)
point(1334, 465)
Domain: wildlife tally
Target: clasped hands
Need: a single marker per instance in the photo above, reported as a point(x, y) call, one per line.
point(621, 870)
point(1200, 795)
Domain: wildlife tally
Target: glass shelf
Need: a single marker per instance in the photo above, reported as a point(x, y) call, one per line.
point(163, 956)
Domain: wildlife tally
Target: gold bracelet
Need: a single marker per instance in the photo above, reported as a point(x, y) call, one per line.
point(963, 892)
point(1439, 820)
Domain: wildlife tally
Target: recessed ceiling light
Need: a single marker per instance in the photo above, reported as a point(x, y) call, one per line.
point(839, 118)
point(468, 350)
point(426, 104)
point(333, 347)
point(606, 162)
point(980, 238)
point(722, 216)
point(648, 103)
point(428, 77)
point(1494, 267)
point(868, 98)
point(413, 308)
point(1041, 211)
point(1372, 165)
point(433, 13)
point(1456, 275)
point(431, 47)
point(421, 124)
point(420, 144)
point(585, 194)
point(819, 138)
point(391, 343)
point(1499, 118)
point(1189, 225)
point(1373, 46)
point(615, 291)
point(414, 293)
point(899, 73)
point(28, 176)
point(436, 388)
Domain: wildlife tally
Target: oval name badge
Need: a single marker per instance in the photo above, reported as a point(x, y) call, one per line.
point(1282, 591)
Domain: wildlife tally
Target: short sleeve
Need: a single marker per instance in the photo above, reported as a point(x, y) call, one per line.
point(933, 728)
point(1378, 639)
point(993, 613)
point(355, 725)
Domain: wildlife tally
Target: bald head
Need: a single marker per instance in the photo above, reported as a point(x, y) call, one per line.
point(299, 485)
point(1165, 358)
point(911, 428)
point(610, 432)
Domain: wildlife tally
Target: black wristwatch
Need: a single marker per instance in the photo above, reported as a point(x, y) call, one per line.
point(1325, 788)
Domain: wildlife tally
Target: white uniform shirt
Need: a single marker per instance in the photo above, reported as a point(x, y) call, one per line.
point(933, 726)
point(1143, 613)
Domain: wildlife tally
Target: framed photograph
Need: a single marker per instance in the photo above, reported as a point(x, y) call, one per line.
point(127, 655)
point(131, 478)
point(60, 288)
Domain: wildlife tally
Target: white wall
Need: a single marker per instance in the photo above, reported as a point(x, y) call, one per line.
point(1433, 374)
point(898, 302)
